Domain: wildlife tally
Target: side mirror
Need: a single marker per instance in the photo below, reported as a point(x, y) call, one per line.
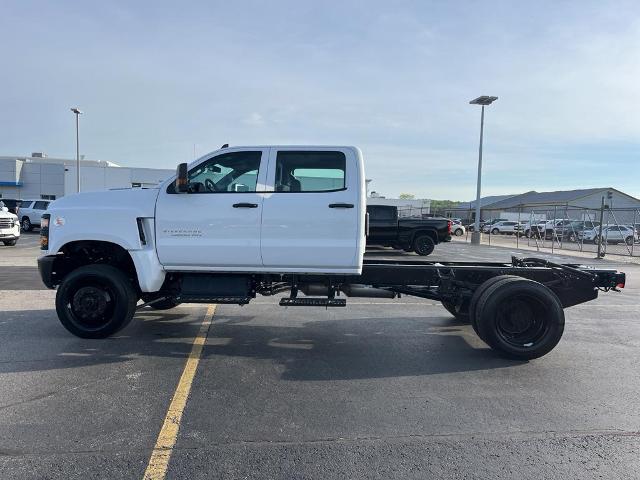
point(182, 182)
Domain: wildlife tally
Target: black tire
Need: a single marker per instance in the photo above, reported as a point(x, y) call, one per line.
point(423, 245)
point(478, 293)
point(10, 243)
point(495, 231)
point(520, 318)
point(628, 241)
point(572, 238)
point(95, 301)
point(527, 233)
point(461, 315)
point(26, 224)
point(166, 304)
point(458, 232)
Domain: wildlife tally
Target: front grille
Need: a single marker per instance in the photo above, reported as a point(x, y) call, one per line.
point(6, 223)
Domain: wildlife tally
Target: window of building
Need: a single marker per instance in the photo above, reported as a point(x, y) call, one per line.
point(48, 197)
point(308, 171)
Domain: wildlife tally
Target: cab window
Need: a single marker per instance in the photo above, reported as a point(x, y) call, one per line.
point(310, 171)
point(233, 172)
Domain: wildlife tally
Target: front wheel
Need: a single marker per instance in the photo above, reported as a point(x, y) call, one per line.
point(26, 224)
point(10, 243)
point(423, 245)
point(458, 232)
point(628, 241)
point(495, 231)
point(95, 301)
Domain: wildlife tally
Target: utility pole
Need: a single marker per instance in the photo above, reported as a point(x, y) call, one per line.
point(483, 100)
point(77, 112)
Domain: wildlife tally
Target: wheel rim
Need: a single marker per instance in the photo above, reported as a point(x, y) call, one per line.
point(423, 245)
point(520, 321)
point(26, 224)
point(91, 306)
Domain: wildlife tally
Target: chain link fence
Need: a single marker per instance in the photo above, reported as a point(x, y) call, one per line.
point(603, 231)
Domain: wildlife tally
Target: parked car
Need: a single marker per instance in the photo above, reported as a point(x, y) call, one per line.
point(406, 233)
point(504, 227)
point(484, 223)
point(457, 229)
point(9, 226)
point(12, 204)
point(547, 228)
point(611, 234)
point(30, 213)
point(570, 231)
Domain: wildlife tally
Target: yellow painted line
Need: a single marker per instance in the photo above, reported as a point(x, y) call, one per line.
point(159, 461)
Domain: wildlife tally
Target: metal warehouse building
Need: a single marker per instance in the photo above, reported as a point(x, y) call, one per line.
point(575, 204)
point(38, 176)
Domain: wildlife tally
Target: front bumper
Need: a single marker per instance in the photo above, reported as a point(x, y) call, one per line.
point(8, 236)
point(47, 274)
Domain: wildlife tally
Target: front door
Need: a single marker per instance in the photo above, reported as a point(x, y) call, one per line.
point(217, 225)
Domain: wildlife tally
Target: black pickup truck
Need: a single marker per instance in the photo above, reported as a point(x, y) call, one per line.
point(416, 234)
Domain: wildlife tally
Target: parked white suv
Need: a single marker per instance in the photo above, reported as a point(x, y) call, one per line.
point(610, 234)
point(30, 213)
point(506, 227)
point(9, 226)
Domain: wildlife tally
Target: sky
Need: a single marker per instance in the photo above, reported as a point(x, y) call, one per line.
point(161, 81)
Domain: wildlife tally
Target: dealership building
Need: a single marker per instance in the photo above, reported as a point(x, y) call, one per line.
point(40, 177)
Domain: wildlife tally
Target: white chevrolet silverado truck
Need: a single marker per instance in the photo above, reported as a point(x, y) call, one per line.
point(273, 220)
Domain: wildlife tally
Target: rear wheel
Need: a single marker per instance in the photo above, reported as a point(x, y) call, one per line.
point(95, 301)
point(478, 293)
point(423, 245)
point(461, 313)
point(520, 318)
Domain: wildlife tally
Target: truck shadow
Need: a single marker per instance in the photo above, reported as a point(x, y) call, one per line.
point(333, 349)
point(356, 348)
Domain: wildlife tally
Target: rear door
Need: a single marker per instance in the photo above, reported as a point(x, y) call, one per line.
point(217, 225)
point(313, 218)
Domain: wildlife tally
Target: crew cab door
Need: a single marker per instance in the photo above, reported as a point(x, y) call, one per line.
point(217, 225)
point(314, 216)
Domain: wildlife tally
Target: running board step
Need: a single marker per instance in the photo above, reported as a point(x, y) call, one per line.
point(207, 299)
point(313, 302)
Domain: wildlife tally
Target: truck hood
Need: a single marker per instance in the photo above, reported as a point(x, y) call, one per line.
point(7, 215)
point(135, 202)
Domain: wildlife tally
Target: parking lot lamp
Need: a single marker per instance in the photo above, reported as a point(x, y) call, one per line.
point(77, 112)
point(483, 100)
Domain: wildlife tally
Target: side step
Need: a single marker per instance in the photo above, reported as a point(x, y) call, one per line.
point(313, 302)
point(207, 299)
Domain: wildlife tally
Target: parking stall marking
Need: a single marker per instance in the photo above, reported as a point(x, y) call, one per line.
point(159, 461)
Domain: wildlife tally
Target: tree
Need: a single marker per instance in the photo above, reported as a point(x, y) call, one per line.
point(407, 196)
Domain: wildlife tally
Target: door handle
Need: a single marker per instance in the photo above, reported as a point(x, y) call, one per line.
point(245, 205)
point(341, 205)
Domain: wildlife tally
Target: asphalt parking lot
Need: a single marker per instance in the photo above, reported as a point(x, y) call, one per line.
point(380, 389)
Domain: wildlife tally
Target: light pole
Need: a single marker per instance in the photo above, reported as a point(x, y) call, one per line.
point(483, 100)
point(77, 112)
